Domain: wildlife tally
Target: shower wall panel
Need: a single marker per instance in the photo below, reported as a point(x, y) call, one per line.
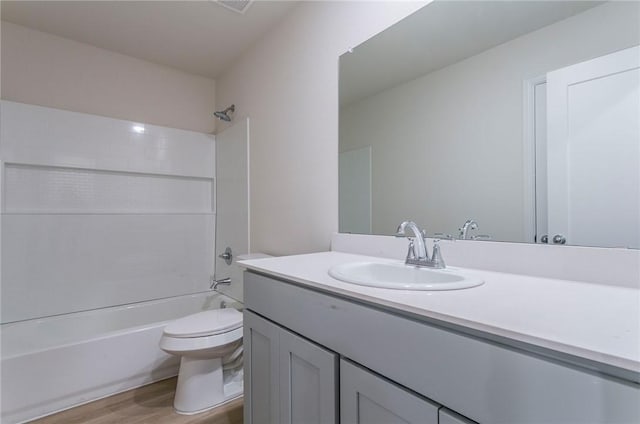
point(46, 136)
point(98, 212)
point(232, 195)
point(33, 189)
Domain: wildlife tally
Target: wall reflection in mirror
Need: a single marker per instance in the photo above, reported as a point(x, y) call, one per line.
point(519, 119)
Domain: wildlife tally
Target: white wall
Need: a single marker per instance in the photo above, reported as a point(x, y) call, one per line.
point(448, 146)
point(46, 70)
point(288, 85)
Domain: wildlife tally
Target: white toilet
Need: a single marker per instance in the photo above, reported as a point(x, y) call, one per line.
point(210, 344)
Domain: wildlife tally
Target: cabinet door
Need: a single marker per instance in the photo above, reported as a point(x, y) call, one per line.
point(366, 398)
point(450, 417)
point(261, 370)
point(308, 382)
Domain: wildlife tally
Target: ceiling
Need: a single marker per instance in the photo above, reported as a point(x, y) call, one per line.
point(199, 37)
point(440, 34)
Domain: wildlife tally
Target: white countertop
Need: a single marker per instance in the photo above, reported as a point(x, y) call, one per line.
point(600, 323)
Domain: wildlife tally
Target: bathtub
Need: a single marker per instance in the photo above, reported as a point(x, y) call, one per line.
point(58, 362)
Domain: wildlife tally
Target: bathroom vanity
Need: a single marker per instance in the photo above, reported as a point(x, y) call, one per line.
point(321, 350)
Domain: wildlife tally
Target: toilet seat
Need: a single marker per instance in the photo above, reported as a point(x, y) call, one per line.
point(205, 344)
point(203, 324)
point(203, 334)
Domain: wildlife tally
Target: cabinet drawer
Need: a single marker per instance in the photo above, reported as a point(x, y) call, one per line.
point(482, 380)
point(288, 379)
point(366, 398)
point(261, 341)
point(308, 382)
point(449, 417)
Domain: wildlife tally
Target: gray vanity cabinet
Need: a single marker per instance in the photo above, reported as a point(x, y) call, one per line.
point(288, 379)
point(487, 381)
point(366, 398)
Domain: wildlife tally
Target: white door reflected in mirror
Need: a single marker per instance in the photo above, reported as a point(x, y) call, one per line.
point(593, 163)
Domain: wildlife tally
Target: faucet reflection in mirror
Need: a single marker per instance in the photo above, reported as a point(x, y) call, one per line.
point(417, 254)
point(481, 118)
point(470, 224)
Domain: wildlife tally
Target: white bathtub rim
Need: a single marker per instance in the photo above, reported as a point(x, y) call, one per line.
point(106, 309)
point(129, 330)
point(104, 335)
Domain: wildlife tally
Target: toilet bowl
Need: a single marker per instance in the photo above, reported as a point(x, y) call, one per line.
point(210, 344)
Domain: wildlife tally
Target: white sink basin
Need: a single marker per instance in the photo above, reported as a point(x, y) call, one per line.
point(403, 277)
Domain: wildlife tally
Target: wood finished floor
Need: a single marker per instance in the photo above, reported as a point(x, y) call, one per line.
point(148, 404)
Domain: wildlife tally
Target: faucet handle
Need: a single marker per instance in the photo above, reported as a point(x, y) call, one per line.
point(436, 256)
point(411, 252)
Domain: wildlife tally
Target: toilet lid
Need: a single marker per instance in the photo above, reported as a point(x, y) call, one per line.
point(207, 323)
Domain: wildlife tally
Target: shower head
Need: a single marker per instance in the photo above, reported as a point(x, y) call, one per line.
point(224, 114)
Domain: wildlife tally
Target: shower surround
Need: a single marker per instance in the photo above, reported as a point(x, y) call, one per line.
point(98, 215)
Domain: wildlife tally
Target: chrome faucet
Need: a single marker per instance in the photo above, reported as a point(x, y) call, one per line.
point(421, 252)
point(469, 225)
point(417, 253)
point(215, 283)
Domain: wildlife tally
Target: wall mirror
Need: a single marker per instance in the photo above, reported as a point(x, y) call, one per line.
point(520, 116)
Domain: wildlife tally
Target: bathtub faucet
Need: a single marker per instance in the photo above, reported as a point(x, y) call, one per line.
point(215, 283)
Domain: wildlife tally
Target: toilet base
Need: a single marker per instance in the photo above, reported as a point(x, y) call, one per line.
point(232, 398)
point(201, 386)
